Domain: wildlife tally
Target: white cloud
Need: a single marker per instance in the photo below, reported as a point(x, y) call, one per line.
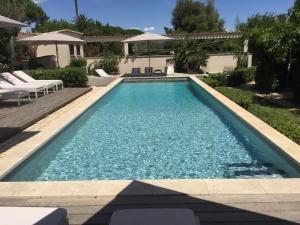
point(147, 29)
point(134, 28)
point(39, 1)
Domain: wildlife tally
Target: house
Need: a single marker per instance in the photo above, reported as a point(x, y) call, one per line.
point(45, 54)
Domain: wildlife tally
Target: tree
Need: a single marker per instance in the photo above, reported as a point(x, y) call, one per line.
point(294, 32)
point(274, 41)
point(189, 57)
point(269, 44)
point(191, 16)
point(21, 10)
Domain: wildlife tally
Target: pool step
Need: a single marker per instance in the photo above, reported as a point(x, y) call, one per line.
point(251, 170)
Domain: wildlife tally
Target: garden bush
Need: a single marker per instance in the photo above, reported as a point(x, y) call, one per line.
point(216, 80)
point(241, 76)
point(268, 74)
point(109, 63)
point(72, 77)
point(4, 68)
point(211, 82)
point(242, 98)
point(81, 62)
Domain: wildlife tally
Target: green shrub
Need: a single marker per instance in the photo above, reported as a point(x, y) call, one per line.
point(241, 76)
point(72, 77)
point(269, 74)
point(242, 98)
point(109, 63)
point(4, 68)
point(216, 80)
point(211, 82)
point(81, 62)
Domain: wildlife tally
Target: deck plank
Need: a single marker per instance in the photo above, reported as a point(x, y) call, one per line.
point(14, 119)
point(211, 209)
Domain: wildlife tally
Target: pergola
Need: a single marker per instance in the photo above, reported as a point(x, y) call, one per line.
point(193, 36)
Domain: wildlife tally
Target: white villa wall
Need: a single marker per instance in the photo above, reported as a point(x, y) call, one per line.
point(64, 57)
point(216, 63)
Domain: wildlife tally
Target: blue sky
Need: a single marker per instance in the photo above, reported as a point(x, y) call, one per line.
point(155, 14)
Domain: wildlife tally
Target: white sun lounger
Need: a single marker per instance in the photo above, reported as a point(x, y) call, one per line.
point(16, 81)
point(102, 73)
point(30, 88)
point(28, 79)
point(153, 217)
point(18, 95)
point(32, 216)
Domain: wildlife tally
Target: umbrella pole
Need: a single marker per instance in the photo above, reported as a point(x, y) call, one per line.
point(149, 52)
point(57, 59)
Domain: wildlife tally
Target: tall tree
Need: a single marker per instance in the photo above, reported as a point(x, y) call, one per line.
point(191, 16)
point(76, 9)
point(22, 10)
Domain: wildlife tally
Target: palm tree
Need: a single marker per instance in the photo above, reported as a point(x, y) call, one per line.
point(189, 57)
point(76, 8)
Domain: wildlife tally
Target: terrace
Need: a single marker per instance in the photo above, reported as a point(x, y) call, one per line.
point(254, 201)
point(190, 129)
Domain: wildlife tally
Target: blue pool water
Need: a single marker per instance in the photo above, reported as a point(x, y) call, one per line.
point(160, 130)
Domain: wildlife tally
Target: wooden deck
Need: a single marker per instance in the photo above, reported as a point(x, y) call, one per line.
point(14, 119)
point(212, 209)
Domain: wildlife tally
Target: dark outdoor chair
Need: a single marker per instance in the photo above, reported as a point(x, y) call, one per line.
point(148, 70)
point(136, 71)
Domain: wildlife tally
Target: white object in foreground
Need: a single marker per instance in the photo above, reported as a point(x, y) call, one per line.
point(32, 215)
point(28, 79)
point(6, 22)
point(102, 73)
point(31, 89)
point(10, 94)
point(153, 217)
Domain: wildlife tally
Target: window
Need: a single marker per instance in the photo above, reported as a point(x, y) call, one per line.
point(71, 50)
point(78, 50)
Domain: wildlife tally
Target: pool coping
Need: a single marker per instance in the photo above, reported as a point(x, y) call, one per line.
point(290, 149)
point(20, 152)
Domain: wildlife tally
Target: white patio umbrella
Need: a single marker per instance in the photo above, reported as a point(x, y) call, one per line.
point(6, 22)
point(148, 37)
point(52, 38)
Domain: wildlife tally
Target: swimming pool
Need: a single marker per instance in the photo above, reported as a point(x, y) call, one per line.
point(155, 130)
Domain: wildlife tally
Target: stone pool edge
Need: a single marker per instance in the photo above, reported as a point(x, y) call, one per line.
point(16, 155)
point(283, 143)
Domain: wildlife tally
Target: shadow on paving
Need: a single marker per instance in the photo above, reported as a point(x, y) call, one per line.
point(208, 212)
point(14, 119)
point(7, 132)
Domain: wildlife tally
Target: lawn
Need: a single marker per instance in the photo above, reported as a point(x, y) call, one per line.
point(282, 119)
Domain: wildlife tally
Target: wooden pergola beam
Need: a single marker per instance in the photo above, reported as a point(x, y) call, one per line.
point(194, 36)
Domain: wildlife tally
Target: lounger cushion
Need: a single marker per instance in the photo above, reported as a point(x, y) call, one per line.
point(25, 77)
point(153, 217)
point(102, 73)
point(30, 216)
point(18, 83)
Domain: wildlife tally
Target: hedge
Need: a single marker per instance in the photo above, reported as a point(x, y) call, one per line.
point(242, 98)
point(81, 62)
point(211, 82)
point(216, 80)
point(72, 77)
point(241, 76)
